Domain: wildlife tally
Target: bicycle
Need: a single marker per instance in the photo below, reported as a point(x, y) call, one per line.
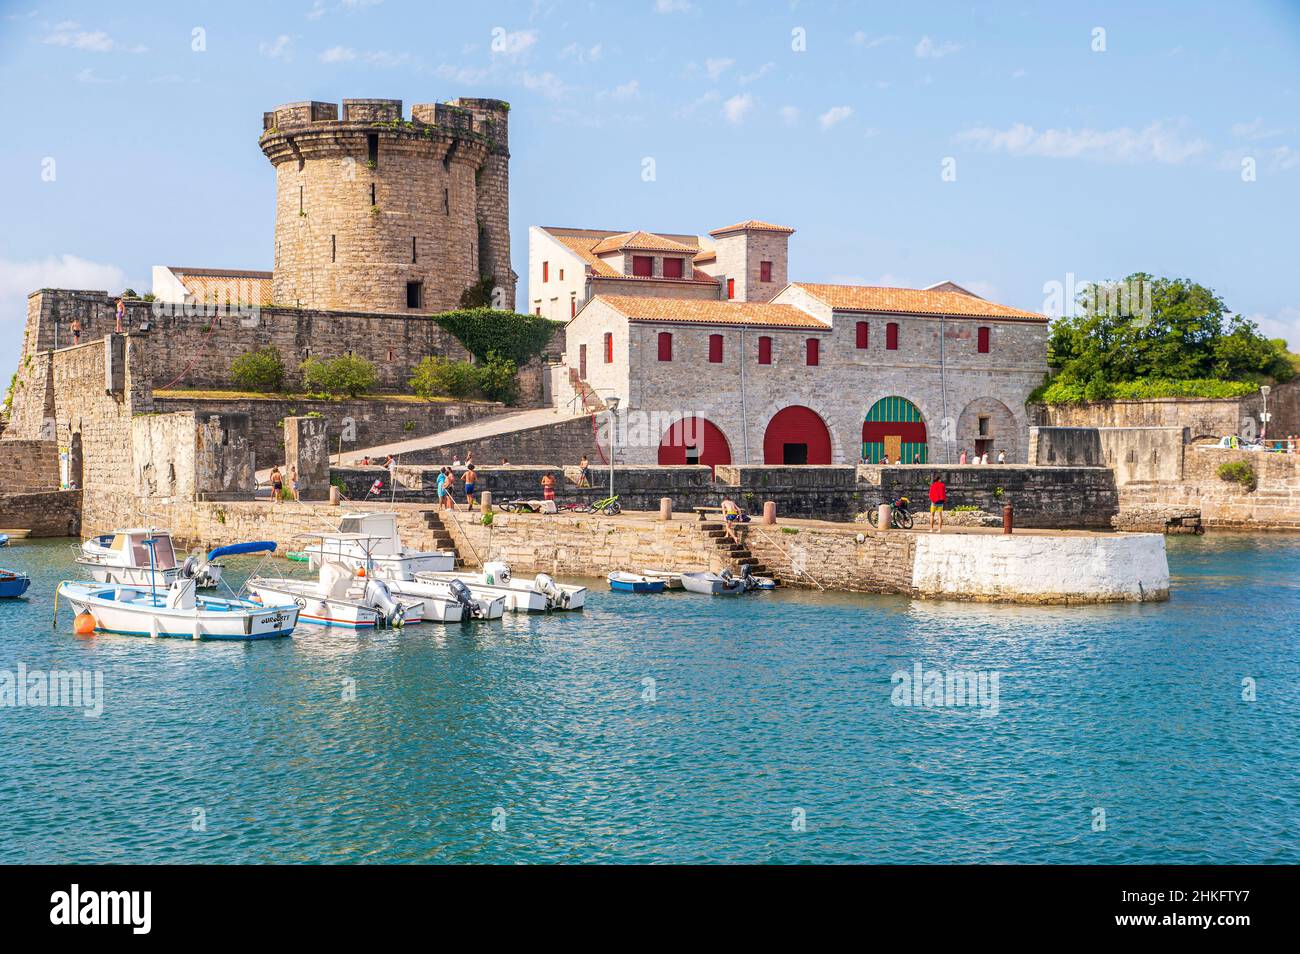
point(900, 516)
point(609, 506)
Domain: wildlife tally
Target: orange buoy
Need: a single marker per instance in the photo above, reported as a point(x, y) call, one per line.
point(84, 624)
point(361, 571)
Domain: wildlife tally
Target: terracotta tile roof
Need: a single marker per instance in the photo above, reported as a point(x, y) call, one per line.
point(753, 225)
point(582, 242)
point(733, 313)
point(641, 241)
point(910, 301)
point(708, 255)
point(241, 286)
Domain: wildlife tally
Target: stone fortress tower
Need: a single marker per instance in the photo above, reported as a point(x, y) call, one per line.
point(378, 213)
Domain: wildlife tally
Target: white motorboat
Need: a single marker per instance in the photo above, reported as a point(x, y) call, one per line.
point(482, 605)
point(142, 556)
point(672, 581)
point(175, 611)
point(343, 597)
point(541, 594)
point(726, 583)
point(387, 557)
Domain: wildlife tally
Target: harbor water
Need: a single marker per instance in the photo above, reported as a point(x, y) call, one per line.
point(775, 727)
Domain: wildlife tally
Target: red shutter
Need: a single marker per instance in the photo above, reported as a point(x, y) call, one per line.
point(715, 349)
point(731, 288)
point(665, 346)
point(891, 336)
point(573, 307)
point(672, 268)
point(765, 271)
point(764, 350)
point(609, 348)
point(546, 271)
point(642, 266)
point(863, 329)
point(984, 341)
point(813, 344)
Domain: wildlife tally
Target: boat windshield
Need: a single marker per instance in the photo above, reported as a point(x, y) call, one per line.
point(164, 557)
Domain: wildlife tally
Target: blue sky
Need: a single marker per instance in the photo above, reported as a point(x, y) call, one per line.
point(1068, 159)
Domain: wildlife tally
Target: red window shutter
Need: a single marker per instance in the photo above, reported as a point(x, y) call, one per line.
point(764, 350)
point(715, 349)
point(573, 307)
point(731, 288)
point(891, 336)
point(642, 266)
point(813, 344)
point(863, 329)
point(665, 346)
point(609, 348)
point(546, 271)
point(984, 341)
point(673, 268)
point(765, 271)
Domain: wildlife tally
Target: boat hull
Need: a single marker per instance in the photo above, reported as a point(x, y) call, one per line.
point(710, 584)
point(488, 605)
point(520, 596)
point(315, 607)
point(402, 566)
point(240, 621)
point(629, 583)
point(13, 585)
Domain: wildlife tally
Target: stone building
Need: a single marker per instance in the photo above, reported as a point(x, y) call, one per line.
point(819, 374)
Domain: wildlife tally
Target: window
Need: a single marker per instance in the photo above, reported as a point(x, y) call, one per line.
point(813, 345)
point(538, 311)
point(300, 210)
point(765, 271)
point(863, 331)
point(731, 288)
point(546, 271)
point(673, 268)
point(582, 361)
point(764, 350)
point(446, 202)
point(372, 149)
point(609, 347)
point(715, 349)
point(561, 274)
point(643, 266)
point(573, 306)
point(334, 248)
point(414, 257)
point(983, 340)
point(891, 336)
point(665, 346)
point(414, 292)
point(372, 194)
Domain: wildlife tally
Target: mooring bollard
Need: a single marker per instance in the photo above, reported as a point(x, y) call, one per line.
point(485, 502)
point(884, 516)
point(769, 511)
point(334, 496)
point(1007, 515)
point(665, 508)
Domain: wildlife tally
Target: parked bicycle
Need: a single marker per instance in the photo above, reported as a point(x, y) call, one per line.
point(609, 506)
point(900, 518)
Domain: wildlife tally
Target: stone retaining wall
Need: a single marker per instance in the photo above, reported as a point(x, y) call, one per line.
point(55, 513)
point(29, 466)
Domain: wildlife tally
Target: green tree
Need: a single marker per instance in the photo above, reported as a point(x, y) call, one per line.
point(345, 375)
point(260, 370)
point(497, 378)
point(437, 377)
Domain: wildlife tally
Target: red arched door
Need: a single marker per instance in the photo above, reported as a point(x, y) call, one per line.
point(796, 435)
point(694, 440)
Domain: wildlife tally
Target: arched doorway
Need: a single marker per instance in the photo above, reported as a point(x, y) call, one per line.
point(986, 426)
point(894, 426)
point(796, 435)
point(694, 440)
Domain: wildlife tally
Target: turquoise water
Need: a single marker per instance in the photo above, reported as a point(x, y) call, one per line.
point(764, 707)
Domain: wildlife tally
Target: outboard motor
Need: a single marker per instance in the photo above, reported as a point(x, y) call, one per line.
point(496, 573)
point(380, 597)
point(461, 594)
point(189, 569)
point(747, 576)
point(547, 587)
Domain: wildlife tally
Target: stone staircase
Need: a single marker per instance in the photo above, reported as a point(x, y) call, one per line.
point(440, 537)
point(736, 554)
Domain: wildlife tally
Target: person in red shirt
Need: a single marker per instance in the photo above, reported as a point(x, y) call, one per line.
point(938, 497)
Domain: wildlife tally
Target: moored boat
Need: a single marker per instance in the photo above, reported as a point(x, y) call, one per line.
point(713, 584)
point(672, 580)
point(142, 556)
point(622, 582)
point(483, 606)
point(341, 597)
point(13, 584)
point(541, 594)
point(175, 611)
point(385, 556)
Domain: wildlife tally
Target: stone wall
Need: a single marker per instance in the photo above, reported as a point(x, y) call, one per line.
point(857, 560)
point(1136, 454)
point(1273, 504)
point(370, 422)
point(55, 513)
point(29, 466)
point(1048, 497)
point(557, 444)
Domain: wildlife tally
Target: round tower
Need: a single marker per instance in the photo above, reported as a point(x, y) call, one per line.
point(375, 212)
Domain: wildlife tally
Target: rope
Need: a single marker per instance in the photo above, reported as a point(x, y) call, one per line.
point(211, 328)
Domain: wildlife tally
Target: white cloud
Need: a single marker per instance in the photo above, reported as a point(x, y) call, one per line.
point(69, 34)
point(278, 49)
point(512, 43)
point(1284, 323)
point(1156, 142)
point(737, 108)
point(834, 115)
point(88, 75)
point(20, 279)
point(758, 74)
point(385, 59)
point(465, 75)
point(1255, 129)
point(716, 66)
point(548, 84)
point(629, 90)
point(789, 115)
point(869, 42)
point(581, 55)
point(928, 49)
point(338, 54)
point(673, 6)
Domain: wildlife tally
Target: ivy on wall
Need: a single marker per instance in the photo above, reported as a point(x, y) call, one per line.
point(482, 331)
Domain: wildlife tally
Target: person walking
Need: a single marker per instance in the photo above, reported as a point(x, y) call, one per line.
point(442, 488)
point(471, 481)
point(121, 314)
point(938, 498)
point(76, 331)
point(962, 459)
point(277, 484)
point(293, 481)
point(1002, 457)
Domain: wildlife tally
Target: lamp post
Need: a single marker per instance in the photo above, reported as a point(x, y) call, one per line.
point(612, 403)
point(1263, 431)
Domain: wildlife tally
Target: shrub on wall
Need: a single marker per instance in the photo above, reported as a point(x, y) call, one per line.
point(1239, 471)
point(1060, 391)
point(483, 331)
point(260, 370)
point(345, 375)
point(496, 378)
point(442, 377)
